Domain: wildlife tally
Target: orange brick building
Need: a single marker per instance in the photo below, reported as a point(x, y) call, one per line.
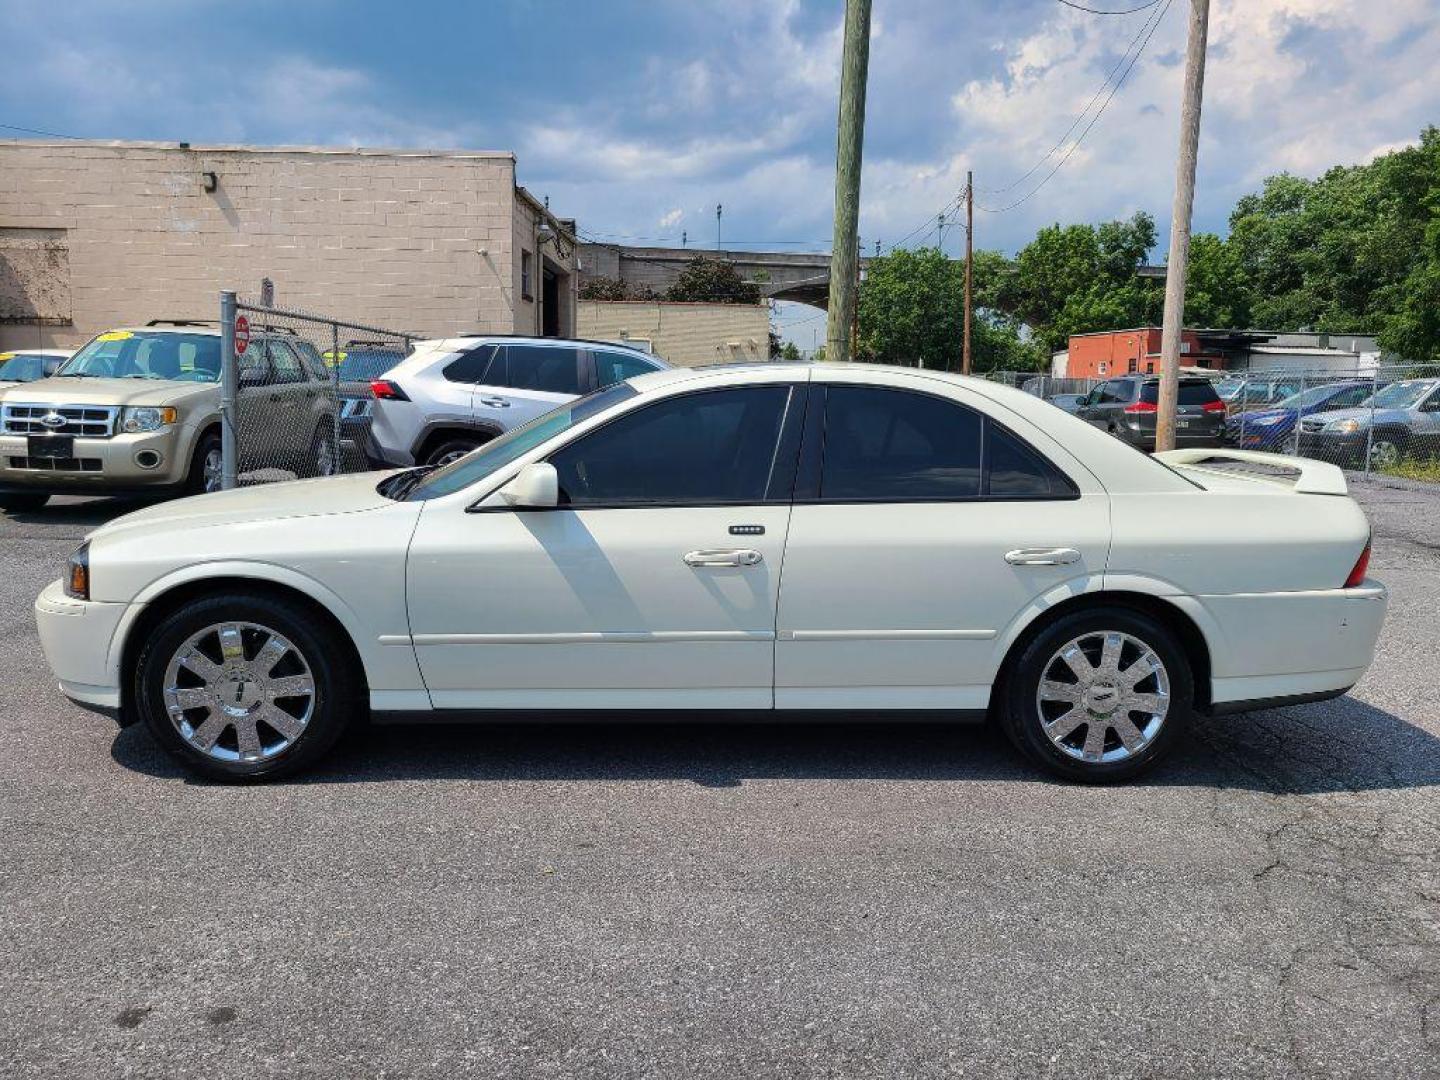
point(1127, 352)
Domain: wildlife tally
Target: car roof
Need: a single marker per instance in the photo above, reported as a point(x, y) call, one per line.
point(518, 338)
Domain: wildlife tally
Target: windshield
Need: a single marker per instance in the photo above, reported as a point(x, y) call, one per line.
point(1400, 395)
point(1309, 399)
point(497, 453)
point(143, 354)
point(25, 367)
point(362, 366)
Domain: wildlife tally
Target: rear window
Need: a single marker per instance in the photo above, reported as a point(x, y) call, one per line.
point(1196, 392)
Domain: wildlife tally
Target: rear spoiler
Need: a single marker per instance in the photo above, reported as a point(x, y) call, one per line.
point(1316, 477)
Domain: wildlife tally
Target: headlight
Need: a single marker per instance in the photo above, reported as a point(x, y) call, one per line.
point(1343, 427)
point(1267, 421)
point(77, 573)
point(146, 418)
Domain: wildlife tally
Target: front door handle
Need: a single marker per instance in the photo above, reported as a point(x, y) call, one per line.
point(1042, 556)
point(495, 402)
point(724, 557)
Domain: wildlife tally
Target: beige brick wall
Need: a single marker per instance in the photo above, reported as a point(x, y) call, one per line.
point(414, 240)
point(686, 335)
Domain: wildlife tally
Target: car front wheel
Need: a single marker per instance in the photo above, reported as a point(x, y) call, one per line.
point(244, 688)
point(1099, 695)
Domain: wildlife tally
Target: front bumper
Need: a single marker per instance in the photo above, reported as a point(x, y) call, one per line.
point(97, 464)
point(78, 638)
point(1337, 449)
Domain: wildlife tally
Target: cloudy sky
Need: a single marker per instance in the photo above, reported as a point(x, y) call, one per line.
point(639, 116)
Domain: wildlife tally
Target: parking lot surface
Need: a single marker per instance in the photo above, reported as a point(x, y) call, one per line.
point(678, 900)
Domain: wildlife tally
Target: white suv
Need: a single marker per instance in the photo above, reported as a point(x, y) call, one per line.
point(452, 395)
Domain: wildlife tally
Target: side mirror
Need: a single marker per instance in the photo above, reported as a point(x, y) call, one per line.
point(535, 487)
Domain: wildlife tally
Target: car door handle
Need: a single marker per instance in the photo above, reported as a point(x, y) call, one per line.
point(495, 402)
point(724, 557)
point(1042, 556)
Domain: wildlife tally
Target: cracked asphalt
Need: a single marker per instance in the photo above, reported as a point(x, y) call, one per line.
point(682, 901)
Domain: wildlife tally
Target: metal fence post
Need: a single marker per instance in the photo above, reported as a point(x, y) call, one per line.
point(335, 389)
point(1370, 427)
point(229, 393)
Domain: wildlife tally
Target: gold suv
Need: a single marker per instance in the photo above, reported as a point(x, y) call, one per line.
point(137, 411)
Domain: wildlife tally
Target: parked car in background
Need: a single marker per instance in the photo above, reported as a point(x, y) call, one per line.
point(1127, 408)
point(1273, 428)
point(1401, 420)
point(30, 365)
point(355, 367)
point(450, 396)
point(137, 411)
point(1241, 394)
point(949, 545)
point(1069, 402)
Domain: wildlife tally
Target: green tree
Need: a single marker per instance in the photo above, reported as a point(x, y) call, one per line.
point(712, 281)
point(912, 314)
point(1217, 291)
point(789, 351)
point(605, 288)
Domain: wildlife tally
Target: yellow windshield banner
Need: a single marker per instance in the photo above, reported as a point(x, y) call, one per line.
point(115, 335)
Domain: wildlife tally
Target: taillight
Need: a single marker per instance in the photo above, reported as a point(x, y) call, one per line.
point(1213, 406)
point(1142, 407)
point(1357, 574)
point(385, 390)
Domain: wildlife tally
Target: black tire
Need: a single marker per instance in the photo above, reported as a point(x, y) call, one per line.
point(1020, 713)
point(321, 444)
point(197, 481)
point(451, 448)
point(23, 502)
point(1380, 456)
point(338, 695)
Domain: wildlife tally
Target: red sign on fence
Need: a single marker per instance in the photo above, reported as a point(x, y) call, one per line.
point(242, 334)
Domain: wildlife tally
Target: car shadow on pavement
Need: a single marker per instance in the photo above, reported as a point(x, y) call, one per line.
point(89, 513)
point(1343, 745)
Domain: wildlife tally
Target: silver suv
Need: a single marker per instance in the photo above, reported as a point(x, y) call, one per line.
point(452, 395)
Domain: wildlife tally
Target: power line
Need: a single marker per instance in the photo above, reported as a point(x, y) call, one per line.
point(1079, 116)
point(37, 131)
point(1094, 120)
point(1098, 11)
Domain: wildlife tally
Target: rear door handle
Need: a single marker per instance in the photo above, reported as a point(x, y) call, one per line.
point(1042, 556)
point(495, 402)
point(724, 557)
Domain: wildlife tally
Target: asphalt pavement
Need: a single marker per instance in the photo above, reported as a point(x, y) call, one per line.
point(689, 900)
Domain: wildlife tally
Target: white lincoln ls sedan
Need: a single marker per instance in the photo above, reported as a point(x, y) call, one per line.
point(776, 537)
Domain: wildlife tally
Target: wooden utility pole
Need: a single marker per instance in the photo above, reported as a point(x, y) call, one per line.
point(969, 251)
point(1179, 262)
point(849, 142)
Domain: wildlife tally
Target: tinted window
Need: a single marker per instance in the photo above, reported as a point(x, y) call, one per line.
point(552, 369)
point(365, 364)
point(611, 367)
point(893, 446)
point(1195, 392)
point(717, 446)
point(1017, 471)
point(470, 368)
point(1113, 391)
point(287, 365)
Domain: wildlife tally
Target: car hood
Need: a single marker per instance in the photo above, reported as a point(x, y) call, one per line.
point(258, 504)
point(110, 392)
point(1255, 414)
point(1359, 413)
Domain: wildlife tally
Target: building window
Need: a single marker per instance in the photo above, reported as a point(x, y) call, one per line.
point(1131, 369)
point(1101, 368)
point(1149, 368)
point(527, 276)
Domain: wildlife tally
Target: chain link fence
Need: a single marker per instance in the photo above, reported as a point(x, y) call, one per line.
point(296, 391)
point(1383, 419)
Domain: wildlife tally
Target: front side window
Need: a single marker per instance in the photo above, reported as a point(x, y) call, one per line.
point(551, 369)
point(896, 446)
point(713, 447)
point(611, 367)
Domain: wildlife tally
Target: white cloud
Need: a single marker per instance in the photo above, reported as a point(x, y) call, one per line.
point(671, 218)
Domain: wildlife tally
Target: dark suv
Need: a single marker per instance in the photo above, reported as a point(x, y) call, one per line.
point(1127, 408)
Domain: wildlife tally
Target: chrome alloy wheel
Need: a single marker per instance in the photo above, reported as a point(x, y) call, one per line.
point(1103, 696)
point(213, 468)
point(325, 459)
point(238, 691)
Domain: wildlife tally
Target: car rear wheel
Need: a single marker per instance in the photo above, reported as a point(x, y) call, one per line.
point(450, 450)
point(243, 688)
point(20, 502)
point(1098, 696)
point(322, 459)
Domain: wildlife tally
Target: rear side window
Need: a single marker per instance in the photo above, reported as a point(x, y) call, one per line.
point(471, 366)
point(612, 367)
point(886, 445)
point(1195, 392)
point(552, 369)
point(1015, 470)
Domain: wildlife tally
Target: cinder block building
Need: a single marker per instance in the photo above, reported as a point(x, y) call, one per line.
point(687, 335)
point(98, 234)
